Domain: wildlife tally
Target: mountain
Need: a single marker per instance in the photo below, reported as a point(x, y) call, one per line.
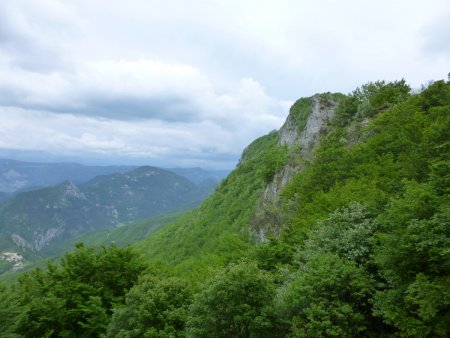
point(32, 221)
point(16, 176)
point(346, 207)
point(199, 175)
point(338, 224)
point(143, 192)
point(123, 235)
point(4, 196)
point(243, 208)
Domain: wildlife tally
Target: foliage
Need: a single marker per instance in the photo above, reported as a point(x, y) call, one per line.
point(216, 233)
point(10, 311)
point(76, 298)
point(328, 297)
point(155, 307)
point(414, 258)
point(363, 251)
point(370, 99)
point(397, 167)
point(347, 233)
point(274, 159)
point(401, 143)
point(300, 111)
point(235, 303)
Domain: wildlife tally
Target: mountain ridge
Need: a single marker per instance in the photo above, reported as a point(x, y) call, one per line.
point(354, 243)
point(31, 221)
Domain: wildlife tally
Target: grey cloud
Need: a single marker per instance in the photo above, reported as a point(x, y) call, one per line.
point(29, 39)
point(171, 109)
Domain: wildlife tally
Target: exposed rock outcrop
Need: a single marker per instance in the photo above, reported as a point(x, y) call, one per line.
point(21, 242)
point(289, 133)
point(301, 143)
point(321, 113)
point(43, 239)
point(323, 109)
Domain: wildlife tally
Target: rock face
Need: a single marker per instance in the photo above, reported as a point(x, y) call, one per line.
point(43, 239)
point(289, 133)
point(280, 179)
point(301, 143)
point(321, 112)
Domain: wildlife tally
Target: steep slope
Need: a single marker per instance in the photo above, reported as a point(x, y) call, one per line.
point(353, 242)
point(141, 193)
point(220, 227)
point(327, 154)
point(199, 175)
point(123, 235)
point(32, 219)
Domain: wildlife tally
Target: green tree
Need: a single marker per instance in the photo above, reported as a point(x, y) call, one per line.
point(370, 99)
point(236, 303)
point(328, 297)
point(76, 298)
point(155, 307)
point(414, 258)
point(10, 311)
point(347, 232)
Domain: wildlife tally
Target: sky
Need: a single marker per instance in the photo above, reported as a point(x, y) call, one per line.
point(179, 83)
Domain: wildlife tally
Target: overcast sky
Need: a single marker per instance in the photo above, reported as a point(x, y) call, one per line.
point(191, 83)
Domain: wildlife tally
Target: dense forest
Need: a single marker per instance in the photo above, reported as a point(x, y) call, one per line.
point(355, 244)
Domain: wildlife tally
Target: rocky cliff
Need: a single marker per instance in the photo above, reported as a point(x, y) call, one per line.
point(308, 120)
point(301, 140)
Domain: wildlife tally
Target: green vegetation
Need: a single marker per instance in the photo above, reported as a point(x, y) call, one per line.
point(122, 235)
point(75, 299)
point(235, 303)
point(216, 232)
point(363, 251)
point(300, 111)
point(155, 307)
point(370, 99)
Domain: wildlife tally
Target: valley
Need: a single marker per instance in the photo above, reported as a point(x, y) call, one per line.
point(37, 223)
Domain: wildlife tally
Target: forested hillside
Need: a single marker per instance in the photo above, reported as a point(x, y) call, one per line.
point(337, 225)
point(38, 223)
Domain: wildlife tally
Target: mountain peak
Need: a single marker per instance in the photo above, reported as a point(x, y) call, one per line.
point(71, 190)
point(307, 119)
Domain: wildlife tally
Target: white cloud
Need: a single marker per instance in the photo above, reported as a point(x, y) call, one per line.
point(195, 82)
point(213, 140)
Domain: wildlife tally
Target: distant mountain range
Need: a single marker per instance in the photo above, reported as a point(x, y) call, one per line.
point(199, 175)
point(34, 221)
point(18, 176)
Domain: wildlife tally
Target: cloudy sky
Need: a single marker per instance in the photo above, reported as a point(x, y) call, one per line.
point(191, 83)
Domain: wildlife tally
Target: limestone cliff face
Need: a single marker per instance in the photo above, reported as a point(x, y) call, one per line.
point(301, 141)
point(321, 112)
